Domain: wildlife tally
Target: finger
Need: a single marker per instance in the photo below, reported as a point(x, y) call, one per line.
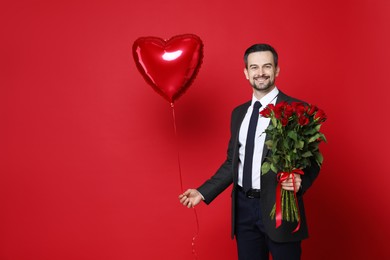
point(187, 192)
point(288, 188)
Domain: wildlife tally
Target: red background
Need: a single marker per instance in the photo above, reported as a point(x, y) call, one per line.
point(88, 163)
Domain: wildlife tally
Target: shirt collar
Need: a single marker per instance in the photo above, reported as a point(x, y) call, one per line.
point(267, 99)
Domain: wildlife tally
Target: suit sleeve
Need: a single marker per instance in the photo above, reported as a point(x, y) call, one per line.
point(224, 175)
point(310, 174)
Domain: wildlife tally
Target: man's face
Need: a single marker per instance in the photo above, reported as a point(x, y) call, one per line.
point(261, 71)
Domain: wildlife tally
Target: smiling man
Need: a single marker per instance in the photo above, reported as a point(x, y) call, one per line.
point(253, 193)
point(261, 70)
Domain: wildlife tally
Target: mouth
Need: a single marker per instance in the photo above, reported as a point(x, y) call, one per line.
point(261, 79)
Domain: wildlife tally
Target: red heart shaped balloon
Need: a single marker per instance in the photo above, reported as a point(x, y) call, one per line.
point(169, 66)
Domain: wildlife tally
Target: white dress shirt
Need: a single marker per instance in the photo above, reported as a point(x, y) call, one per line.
point(262, 124)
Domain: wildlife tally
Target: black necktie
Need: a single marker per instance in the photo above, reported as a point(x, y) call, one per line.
point(249, 147)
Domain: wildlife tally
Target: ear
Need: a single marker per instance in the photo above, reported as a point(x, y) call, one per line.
point(277, 71)
point(246, 73)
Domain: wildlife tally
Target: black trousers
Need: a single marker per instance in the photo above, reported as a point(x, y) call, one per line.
point(252, 241)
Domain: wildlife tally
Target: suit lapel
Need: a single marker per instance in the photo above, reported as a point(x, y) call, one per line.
point(236, 125)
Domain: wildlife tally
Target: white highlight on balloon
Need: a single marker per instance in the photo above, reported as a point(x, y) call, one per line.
point(168, 56)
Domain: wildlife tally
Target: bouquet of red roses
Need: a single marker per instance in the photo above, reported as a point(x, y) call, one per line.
point(293, 136)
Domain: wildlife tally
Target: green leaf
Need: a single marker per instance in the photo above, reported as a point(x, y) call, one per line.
point(314, 138)
point(274, 122)
point(275, 159)
point(307, 154)
point(269, 144)
point(292, 135)
point(319, 158)
point(286, 146)
point(323, 138)
point(299, 144)
point(274, 168)
point(265, 167)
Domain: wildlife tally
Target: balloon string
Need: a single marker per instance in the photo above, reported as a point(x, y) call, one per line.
point(181, 181)
point(177, 146)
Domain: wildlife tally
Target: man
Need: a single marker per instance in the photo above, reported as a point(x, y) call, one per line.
point(254, 229)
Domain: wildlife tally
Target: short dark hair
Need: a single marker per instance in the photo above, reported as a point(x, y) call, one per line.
point(260, 47)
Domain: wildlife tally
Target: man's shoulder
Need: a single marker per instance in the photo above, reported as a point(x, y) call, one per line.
point(243, 106)
point(246, 104)
point(284, 97)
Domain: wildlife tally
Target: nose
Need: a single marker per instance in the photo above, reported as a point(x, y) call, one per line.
point(260, 71)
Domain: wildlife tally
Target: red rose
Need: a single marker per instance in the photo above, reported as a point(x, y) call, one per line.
point(266, 112)
point(281, 105)
point(288, 111)
point(279, 108)
point(271, 106)
point(303, 120)
point(298, 107)
point(278, 114)
point(311, 109)
point(284, 121)
point(320, 116)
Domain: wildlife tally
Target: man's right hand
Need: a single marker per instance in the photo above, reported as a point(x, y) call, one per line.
point(190, 198)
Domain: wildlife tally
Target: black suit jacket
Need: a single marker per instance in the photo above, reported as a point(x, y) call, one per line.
point(227, 174)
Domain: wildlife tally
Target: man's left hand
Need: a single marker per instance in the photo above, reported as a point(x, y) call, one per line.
point(288, 184)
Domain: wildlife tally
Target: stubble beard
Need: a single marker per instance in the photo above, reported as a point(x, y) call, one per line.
point(262, 87)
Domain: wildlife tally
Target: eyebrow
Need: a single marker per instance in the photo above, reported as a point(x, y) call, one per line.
point(256, 65)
